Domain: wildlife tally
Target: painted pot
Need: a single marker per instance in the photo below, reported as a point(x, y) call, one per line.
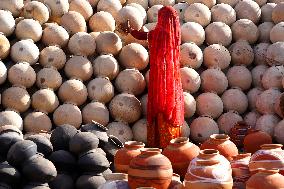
point(180, 152)
point(254, 139)
point(238, 133)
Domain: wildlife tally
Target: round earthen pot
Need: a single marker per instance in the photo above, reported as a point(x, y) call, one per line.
point(176, 183)
point(240, 170)
point(115, 181)
point(36, 186)
point(90, 181)
point(64, 161)
point(98, 129)
point(123, 156)
point(9, 135)
point(208, 174)
point(5, 186)
point(254, 139)
point(238, 133)
point(9, 174)
point(83, 142)
point(266, 179)
point(62, 181)
point(222, 143)
point(270, 156)
point(150, 169)
point(180, 152)
point(44, 145)
point(111, 147)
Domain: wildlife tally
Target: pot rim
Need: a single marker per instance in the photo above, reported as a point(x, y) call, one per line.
point(179, 140)
point(134, 144)
point(220, 137)
point(271, 146)
point(241, 156)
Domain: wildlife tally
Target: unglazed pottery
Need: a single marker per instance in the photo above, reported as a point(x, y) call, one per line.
point(254, 139)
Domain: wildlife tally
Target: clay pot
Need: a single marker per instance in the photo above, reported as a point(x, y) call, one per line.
point(62, 181)
point(115, 181)
point(9, 135)
point(39, 169)
point(36, 186)
point(90, 181)
point(44, 145)
point(266, 179)
point(208, 174)
point(125, 155)
point(83, 142)
point(150, 169)
point(93, 162)
point(176, 183)
point(222, 143)
point(5, 186)
point(254, 139)
point(98, 129)
point(270, 156)
point(20, 152)
point(180, 152)
point(112, 146)
point(240, 170)
point(238, 133)
point(9, 174)
point(64, 161)
point(61, 136)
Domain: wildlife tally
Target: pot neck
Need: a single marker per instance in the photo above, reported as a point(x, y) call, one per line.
point(241, 156)
point(208, 153)
point(180, 141)
point(219, 138)
point(150, 151)
point(271, 146)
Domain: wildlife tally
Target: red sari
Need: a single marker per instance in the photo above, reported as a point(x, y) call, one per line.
point(165, 108)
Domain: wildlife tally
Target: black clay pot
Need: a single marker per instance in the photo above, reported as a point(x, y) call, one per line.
point(36, 186)
point(44, 146)
point(5, 186)
point(90, 181)
point(83, 142)
point(9, 174)
point(62, 181)
point(93, 162)
point(111, 147)
point(64, 161)
point(98, 129)
point(39, 169)
point(101, 151)
point(61, 136)
point(9, 135)
point(20, 152)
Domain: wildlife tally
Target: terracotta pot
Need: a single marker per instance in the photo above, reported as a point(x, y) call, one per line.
point(222, 143)
point(150, 169)
point(176, 183)
point(208, 174)
point(180, 152)
point(266, 179)
point(115, 181)
point(123, 156)
point(240, 170)
point(238, 133)
point(254, 139)
point(270, 156)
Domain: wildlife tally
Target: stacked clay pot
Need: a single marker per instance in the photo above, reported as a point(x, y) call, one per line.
point(266, 179)
point(238, 133)
point(208, 174)
point(176, 183)
point(115, 181)
point(9, 135)
point(125, 155)
point(254, 139)
point(150, 169)
point(180, 152)
point(240, 170)
point(222, 143)
point(270, 156)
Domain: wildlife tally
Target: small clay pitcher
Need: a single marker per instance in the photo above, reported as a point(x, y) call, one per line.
point(180, 152)
point(254, 139)
point(150, 169)
point(238, 133)
point(240, 170)
point(208, 174)
point(270, 156)
point(123, 156)
point(266, 179)
point(222, 143)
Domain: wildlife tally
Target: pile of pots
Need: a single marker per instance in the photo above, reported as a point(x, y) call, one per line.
point(65, 159)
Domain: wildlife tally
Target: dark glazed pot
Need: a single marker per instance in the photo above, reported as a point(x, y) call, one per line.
point(83, 142)
point(112, 146)
point(98, 129)
point(238, 133)
point(44, 145)
point(9, 135)
point(61, 136)
point(62, 181)
point(20, 152)
point(64, 161)
point(90, 181)
point(5, 186)
point(36, 186)
point(9, 174)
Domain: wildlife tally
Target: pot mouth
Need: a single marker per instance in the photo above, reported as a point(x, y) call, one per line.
point(116, 176)
point(268, 171)
point(179, 140)
point(151, 151)
point(220, 137)
point(209, 152)
point(134, 144)
point(241, 156)
point(271, 146)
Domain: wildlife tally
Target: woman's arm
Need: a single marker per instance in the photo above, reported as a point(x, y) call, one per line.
point(140, 35)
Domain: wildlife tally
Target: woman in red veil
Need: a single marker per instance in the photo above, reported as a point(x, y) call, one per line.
point(165, 108)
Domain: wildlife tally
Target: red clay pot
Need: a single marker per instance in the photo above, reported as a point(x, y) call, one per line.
point(254, 139)
point(270, 156)
point(269, 179)
point(150, 169)
point(176, 183)
point(222, 143)
point(180, 152)
point(240, 170)
point(208, 174)
point(123, 156)
point(238, 133)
